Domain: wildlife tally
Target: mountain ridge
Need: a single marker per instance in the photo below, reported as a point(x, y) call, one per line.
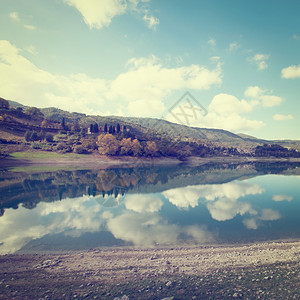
point(145, 127)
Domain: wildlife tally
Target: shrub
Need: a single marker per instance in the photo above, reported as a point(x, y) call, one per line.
point(49, 138)
point(80, 150)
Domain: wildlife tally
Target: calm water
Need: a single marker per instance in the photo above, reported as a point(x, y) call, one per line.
point(68, 210)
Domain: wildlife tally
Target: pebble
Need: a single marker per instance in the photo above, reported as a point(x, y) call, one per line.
point(169, 283)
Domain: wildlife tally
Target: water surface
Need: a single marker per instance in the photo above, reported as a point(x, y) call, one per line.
point(154, 206)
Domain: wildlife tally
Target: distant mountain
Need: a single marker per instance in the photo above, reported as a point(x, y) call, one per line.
point(145, 127)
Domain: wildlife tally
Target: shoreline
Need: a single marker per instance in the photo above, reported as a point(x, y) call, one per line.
point(100, 161)
point(268, 269)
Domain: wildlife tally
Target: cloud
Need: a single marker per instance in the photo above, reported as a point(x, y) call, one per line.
point(73, 216)
point(14, 16)
point(261, 97)
point(291, 72)
point(224, 203)
point(212, 42)
point(145, 83)
point(30, 27)
point(295, 37)
point(189, 196)
point(227, 111)
point(151, 229)
point(151, 21)
point(99, 14)
point(183, 197)
point(278, 198)
point(279, 117)
point(148, 82)
point(260, 61)
point(31, 49)
point(234, 46)
point(143, 203)
point(215, 59)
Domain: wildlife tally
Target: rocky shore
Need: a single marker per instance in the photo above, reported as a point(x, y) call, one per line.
point(253, 271)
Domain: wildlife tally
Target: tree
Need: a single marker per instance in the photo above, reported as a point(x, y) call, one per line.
point(96, 128)
point(91, 128)
point(110, 129)
point(83, 131)
point(34, 136)
point(113, 130)
point(4, 104)
point(126, 146)
point(136, 147)
point(105, 128)
point(49, 138)
point(118, 128)
point(76, 127)
point(63, 124)
point(151, 149)
point(27, 135)
point(107, 144)
point(34, 112)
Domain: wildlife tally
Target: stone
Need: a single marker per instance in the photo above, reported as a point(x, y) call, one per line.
point(169, 283)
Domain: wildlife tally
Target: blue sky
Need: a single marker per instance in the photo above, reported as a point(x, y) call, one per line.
point(239, 59)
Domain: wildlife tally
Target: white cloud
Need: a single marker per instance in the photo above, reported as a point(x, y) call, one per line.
point(143, 203)
point(30, 27)
point(183, 197)
point(251, 223)
point(291, 72)
point(151, 229)
point(98, 14)
point(151, 21)
point(215, 59)
point(75, 216)
point(189, 196)
point(14, 16)
point(278, 198)
point(223, 201)
point(279, 117)
point(146, 83)
point(227, 105)
point(295, 37)
point(254, 92)
point(226, 209)
point(234, 46)
point(31, 49)
point(260, 61)
point(270, 100)
point(212, 42)
point(227, 111)
point(269, 214)
point(261, 97)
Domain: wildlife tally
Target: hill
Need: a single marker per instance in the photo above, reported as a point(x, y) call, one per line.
point(78, 132)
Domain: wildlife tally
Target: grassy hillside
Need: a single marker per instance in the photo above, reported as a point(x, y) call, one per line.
point(70, 131)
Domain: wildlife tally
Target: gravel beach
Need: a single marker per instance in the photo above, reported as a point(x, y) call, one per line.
point(253, 271)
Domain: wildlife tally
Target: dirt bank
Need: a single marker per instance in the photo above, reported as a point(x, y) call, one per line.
point(256, 271)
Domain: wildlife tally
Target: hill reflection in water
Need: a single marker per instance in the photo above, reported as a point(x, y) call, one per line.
point(148, 207)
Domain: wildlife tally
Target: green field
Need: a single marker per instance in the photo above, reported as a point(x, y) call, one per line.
point(43, 155)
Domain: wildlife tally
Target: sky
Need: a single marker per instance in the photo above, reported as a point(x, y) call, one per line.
point(239, 59)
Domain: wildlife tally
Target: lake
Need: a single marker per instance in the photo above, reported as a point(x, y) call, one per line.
point(148, 206)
